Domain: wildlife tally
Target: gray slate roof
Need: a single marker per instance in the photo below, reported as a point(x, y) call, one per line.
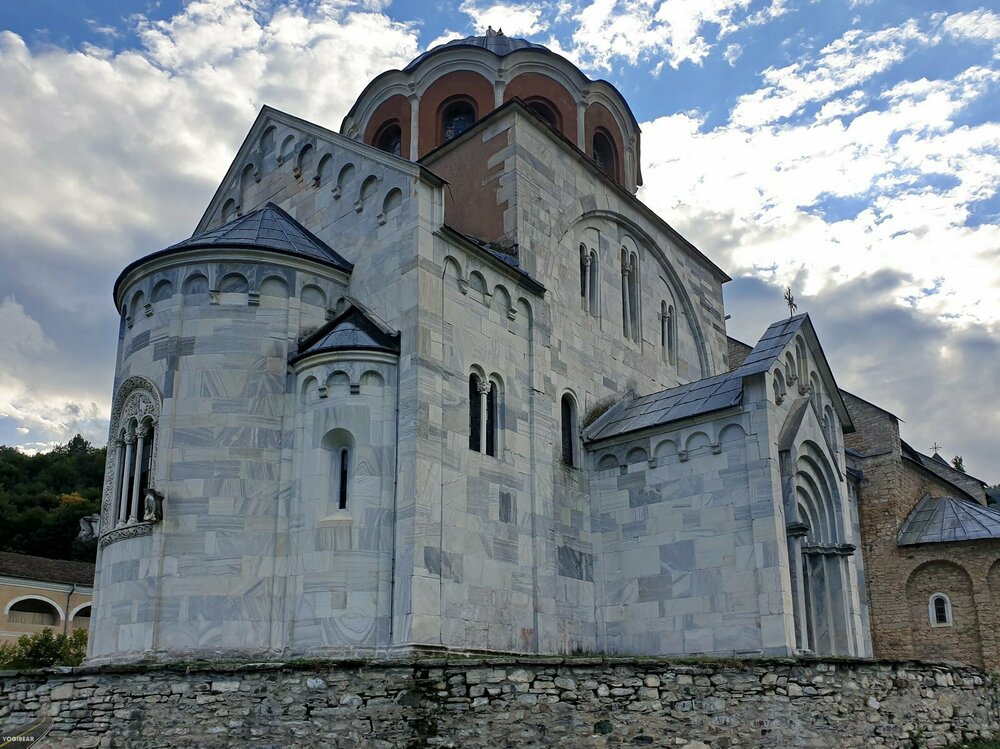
point(493, 41)
point(29, 567)
point(354, 329)
point(942, 519)
point(695, 398)
point(268, 228)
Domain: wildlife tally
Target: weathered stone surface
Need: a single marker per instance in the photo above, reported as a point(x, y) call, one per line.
point(582, 703)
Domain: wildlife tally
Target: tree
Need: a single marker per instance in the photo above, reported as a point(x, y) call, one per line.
point(958, 463)
point(43, 497)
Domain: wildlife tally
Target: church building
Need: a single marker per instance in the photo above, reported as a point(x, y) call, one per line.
point(439, 381)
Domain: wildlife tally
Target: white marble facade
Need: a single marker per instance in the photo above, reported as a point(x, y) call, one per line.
point(729, 532)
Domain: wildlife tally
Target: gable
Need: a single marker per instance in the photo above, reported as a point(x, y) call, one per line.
point(313, 157)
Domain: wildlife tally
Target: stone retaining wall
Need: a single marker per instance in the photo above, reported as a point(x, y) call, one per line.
point(499, 703)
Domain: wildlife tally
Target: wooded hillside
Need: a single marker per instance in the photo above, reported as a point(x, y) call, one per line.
point(43, 497)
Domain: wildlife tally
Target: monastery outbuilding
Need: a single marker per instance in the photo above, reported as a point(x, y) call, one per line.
point(440, 381)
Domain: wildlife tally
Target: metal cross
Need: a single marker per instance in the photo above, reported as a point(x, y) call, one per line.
point(790, 301)
point(935, 447)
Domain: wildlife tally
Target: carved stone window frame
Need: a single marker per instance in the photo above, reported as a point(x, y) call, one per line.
point(137, 398)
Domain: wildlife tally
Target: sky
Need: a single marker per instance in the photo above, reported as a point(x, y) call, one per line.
point(847, 149)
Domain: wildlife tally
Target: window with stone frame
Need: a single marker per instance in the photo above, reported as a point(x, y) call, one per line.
point(130, 503)
point(568, 423)
point(939, 609)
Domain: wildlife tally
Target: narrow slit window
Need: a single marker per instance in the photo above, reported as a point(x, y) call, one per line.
point(342, 487)
point(474, 413)
point(568, 415)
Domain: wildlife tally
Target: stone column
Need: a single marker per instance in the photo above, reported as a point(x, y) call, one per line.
point(484, 387)
point(587, 270)
point(123, 499)
point(796, 532)
point(414, 127)
point(134, 504)
point(627, 297)
point(116, 491)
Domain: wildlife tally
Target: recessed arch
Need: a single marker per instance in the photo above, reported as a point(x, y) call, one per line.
point(324, 170)
point(162, 291)
point(371, 378)
point(457, 114)
point(34, 603)
point(607, 463)
point(314, 295)
point(234, 283)
point(287, 149)
point(274, 286)
point(228, 212)
point(636, 455)
point(195, 285)
point(393, 201)
point(732, 433)
point(266, 144)
point(665, 449)
point(696, 440)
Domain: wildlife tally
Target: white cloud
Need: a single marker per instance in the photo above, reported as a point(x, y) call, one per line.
point(514, 19)
point(732, 54)
point(674, 29)
point(109, 156)
point(446, 36)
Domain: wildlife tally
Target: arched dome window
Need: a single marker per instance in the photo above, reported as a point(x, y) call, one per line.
point(456, 118)
point(546, 111)
point(389, 138)
point(603, 152)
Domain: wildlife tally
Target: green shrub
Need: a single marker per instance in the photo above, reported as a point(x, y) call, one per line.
point(44, 649)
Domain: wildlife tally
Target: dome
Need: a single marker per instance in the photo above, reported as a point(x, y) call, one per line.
point(493, 41)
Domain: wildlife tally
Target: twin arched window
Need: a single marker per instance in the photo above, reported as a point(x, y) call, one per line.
point(134, 430)
point(485, 414)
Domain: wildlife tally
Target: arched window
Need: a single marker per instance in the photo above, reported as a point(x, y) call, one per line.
point(584, 274)
point(604, 153)
point(342, 480)
point(132, 459)
point(492, 418)
point(595, 285)
point(338, 451)
point(475, 412)
point(569, 429)
point(485, 414)
point(544, 109)
point(939, 608)
point(36, 611)
point(630, 295)
point(389, 138)
point(456, 118)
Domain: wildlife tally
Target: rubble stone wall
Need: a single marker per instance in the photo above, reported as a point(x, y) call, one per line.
point(499, 703)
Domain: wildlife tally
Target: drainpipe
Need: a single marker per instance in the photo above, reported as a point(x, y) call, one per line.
point(69, 596)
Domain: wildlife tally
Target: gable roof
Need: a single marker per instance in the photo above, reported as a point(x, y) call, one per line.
point(354, 329)
point(939, 467)
point(268, 228)
point(715, 393)
point(269, 115)
point(948, 519)
point(28, 567)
